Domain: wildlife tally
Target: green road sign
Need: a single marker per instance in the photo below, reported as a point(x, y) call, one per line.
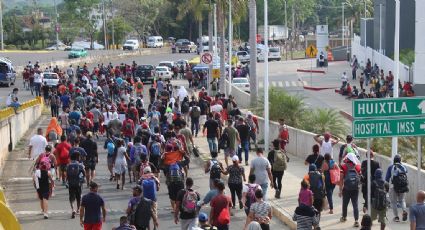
point(393, 107)
point(414, 126)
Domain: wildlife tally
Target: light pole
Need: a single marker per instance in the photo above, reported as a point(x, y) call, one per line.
point(104, 25)
point(56, 26)
point(343, 22)
point(365, 25)
point(113, 24)
point(1, 25)
point(266, 80)
point(215, 29)
point(396, 67)
point(230, 47)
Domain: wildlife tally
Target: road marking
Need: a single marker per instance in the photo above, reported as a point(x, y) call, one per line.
point(34, 213)
point(294, 83)
point(305, 83)
point(280, 84)
point(287, 83)
point(260, 84)
point(16, 179)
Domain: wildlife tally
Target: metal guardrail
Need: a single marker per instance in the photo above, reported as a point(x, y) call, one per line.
point(7, 112)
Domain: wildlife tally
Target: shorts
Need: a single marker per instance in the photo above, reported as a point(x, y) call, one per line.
point(229, 152)
point(155, 161)
point(96, 226)
point(110, 161)
point(135, 167)
point(381, 215)
point(173, 189)
point(74, 192)
point(90, 165)
point(62, 167)
point(43, 195)
point(96, 126)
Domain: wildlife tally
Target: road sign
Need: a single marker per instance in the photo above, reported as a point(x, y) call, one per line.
point(216, 73)
point(414, 126)
point(311, 51)
point(206, 58)
point(393, 107)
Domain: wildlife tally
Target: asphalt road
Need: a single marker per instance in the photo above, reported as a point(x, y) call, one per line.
point(22, 198)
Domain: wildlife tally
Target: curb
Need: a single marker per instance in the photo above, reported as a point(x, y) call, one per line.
point(346, 115)
point(278, 212)
point(318, 88)
point(310, 71)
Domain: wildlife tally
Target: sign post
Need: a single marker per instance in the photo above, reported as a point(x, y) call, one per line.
point(392, 107)
point(311, 51)
point(206, 58)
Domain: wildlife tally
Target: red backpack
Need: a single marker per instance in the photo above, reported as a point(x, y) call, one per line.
point(45, 161)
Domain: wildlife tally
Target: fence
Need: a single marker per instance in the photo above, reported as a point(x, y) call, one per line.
point(7, 112)
point(384, 62)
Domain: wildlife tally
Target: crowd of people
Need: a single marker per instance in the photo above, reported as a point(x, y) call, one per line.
point(380, 85)
point(104, 110)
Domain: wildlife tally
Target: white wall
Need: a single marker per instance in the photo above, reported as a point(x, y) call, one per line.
point(419, 77)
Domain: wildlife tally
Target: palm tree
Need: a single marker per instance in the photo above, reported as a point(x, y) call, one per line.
point(322, 120)
point(195, 8)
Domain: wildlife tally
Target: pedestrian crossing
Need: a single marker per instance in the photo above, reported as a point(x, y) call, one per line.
point(284, 84)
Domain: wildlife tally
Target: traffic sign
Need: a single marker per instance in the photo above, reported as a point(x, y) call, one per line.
point(414, 126)
point(311, 51)
point(216, 73)
point(393, 107)
point(206, 58)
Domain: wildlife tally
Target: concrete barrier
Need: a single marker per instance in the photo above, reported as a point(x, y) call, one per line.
point(12, 128)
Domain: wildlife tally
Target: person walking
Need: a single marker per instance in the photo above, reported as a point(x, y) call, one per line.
point(220, 213)
point(92, 210)
point(44, 183)
point(235, 181)
point(231, 137)
point(140, 210)
point(260, 211)
point(248, 193)
point(186, 206)
point(212, 128)
point(317, 186)
point(349, 187)
point(214, 167)
point(397, 178)
point(278, 162)
point(379, 188)
point(37, 144)
point(62, 156)
point(417, 212)
point(326, 143)
point(254, 130)
point(75, 175)
point(261, 168)
point(243, 130)
point(92, 157)
point(120, 165)
point(374, 165)
point(315, 157)
point(330, 167)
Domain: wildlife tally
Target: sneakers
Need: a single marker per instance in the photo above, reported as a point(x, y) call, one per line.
point(46, 216)
point(404, 216)
point(356, 224)
point(396, 219)
point(343, 219)
point(246, 163)
point(331, 211)
point(240, 205)
point(73, 215)
point(118, 186)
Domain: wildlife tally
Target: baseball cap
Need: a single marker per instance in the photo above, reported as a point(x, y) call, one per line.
point(235, 158)
point(203, 217)
point(147, 170)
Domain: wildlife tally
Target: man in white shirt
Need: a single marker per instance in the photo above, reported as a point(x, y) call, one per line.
point(261, 168)
point(37, 144)
point(38, 81)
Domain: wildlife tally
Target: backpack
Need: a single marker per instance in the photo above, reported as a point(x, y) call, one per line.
point(279, 163)
point(175, 174)
point(316, 185)
point(139, 85)
point(196, 112)
point(351, 178)
point(156, 148)
point(223, 142)
point(379, 199)
point(142, 167)
point(74, 174)
point(45, 161)
point(155, 118)
point(189, 201)
point(399, 179)
point(138, 151)
point(173, 144)
point(215, 170)
point(224, 216)
point(185, 107)
point(64, 154)
point(214, 86)
point(141, 213)
point(132, 114)
point(149, 189)
point(251, 194)
point(111, 148)
point(54, 100)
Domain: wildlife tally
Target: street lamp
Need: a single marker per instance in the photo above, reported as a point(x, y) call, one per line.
point(397, 66)
point(266, 80)
point(230, 47)
point(113, 24)
point(1, 25)
point(56, 26)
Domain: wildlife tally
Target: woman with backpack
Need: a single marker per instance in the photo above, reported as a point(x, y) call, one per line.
point(397, 178)
point(278, 162)
point(349, 186)
point(236, 175)
point(260, 211)
point(43, 183)
point(329, 167)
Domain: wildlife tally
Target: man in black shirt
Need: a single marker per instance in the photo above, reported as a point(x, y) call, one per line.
point(188, 215)
point(243, 130)
point(212, 132)
point(315, 158)
point(374, 165)
point(152, 92)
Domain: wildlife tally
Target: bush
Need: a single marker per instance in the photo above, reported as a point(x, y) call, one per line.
point(25, 47)
point(10, 47)
point(323, 120)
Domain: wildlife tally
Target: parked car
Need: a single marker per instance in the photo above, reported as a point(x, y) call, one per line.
point(50, 79)
point(242, 83)
point(7, 72)
point(131, 44)
point(182, 63)
point(163, 72)
point(274, 54)
point(155, 42)
point(77, 53)
point(145, 73)
point(61, 46)
point(169, 64)
point(243, 56)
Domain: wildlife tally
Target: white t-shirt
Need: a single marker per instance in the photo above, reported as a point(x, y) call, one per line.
point(326, 148)
point(245, 188)
point(38, 78)
point(38, 144)
point(260, 166)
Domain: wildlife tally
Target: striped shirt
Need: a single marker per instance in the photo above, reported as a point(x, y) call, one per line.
point(305, 222)
point(261, 211)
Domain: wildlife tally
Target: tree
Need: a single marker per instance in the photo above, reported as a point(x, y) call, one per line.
point(195, 8)
point(121, 29)
point(83, 14)
point(140, 14)
point(322, 120)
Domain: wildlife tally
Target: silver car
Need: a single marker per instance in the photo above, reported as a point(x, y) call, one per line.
point(242, 83)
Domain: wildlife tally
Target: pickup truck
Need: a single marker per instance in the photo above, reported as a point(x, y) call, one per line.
point(145, 73)
point(186, 47)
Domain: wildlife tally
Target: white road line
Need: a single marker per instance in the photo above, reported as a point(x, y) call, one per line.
point(287, 83)
point(280, 83)
point(294, 83)
point(305, 83)
point(16, 179)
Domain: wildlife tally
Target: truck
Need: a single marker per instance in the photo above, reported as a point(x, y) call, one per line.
point(275, 32)
point(186, 47)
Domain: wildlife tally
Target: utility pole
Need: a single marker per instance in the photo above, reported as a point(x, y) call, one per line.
point(343, 22)
point(365, 26)
point(113, 25)
point(104, 25)
point(287, 31)
point(229, 57)
point(57, 25)
point(1, 25)
point(253, 55)
point(293, 33)
point(266, 80)
point(210, 43)
point(396, 67)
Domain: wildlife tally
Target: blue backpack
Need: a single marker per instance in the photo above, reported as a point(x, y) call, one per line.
point(156, 148)
point(111, 148)
point(175, 174)
point(149, 189)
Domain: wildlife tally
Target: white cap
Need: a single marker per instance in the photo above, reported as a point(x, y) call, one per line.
point(147, 170)
point(235, 158)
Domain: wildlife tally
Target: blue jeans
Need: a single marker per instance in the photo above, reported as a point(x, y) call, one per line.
point(244, 147)
point(212, 144)
point(264, 187)
point(329, 193)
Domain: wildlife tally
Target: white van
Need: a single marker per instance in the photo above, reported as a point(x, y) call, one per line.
point(155, 42)
point(131, 44)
